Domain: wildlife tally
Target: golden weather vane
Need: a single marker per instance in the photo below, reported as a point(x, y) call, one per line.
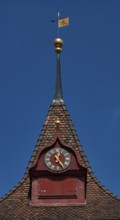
point(62, 22)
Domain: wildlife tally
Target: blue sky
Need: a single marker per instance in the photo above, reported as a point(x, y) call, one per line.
point(90, 66)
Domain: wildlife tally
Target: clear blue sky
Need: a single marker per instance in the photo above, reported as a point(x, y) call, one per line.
point(90, 65)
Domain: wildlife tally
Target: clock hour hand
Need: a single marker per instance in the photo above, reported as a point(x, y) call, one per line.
point(58, 160)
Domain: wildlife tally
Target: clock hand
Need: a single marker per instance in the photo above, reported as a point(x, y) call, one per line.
point(57, 156)
point(58, 160)
point(61, 164)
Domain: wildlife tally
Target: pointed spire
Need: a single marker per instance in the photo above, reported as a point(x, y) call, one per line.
point(58, 43)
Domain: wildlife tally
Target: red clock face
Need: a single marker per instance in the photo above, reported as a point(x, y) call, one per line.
point(57, 159)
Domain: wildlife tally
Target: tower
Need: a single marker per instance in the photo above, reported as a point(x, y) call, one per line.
point(58, 176)
point(59, 182)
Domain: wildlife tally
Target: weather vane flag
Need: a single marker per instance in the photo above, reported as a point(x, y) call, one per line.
point(62, 22)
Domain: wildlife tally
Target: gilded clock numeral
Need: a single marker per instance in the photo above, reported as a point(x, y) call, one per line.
point(52, 151)
point(53, 166)
point(48, 163)
point(57, 150)
point(57, 167)
point(47, 159)
point(67, 158)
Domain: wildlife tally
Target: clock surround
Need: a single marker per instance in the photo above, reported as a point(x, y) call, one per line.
point(65, 186)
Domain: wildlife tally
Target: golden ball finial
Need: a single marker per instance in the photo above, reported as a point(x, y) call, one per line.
point(58, 122)
point(58, 43)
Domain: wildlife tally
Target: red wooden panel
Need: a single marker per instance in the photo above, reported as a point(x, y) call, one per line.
point(57, 187)
point(66, 191)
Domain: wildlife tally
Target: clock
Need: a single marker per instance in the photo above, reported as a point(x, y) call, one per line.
point(57, 159)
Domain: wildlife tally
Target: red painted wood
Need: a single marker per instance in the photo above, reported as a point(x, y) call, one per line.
point(60, 191)
point(63, 188)
point(57, 187)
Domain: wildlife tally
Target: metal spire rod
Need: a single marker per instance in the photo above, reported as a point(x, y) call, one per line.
point(58, 43)
point(57, 19)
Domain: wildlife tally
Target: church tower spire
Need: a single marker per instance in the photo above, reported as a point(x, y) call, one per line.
point(58, 43)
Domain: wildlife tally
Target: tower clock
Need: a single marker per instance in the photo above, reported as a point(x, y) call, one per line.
point(57, 159)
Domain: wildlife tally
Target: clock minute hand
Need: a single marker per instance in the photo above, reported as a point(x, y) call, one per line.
point(58, 160)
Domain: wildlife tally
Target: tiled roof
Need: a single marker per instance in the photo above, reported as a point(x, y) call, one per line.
point(101, 204)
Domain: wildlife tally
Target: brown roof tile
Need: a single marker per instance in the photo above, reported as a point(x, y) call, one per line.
point(101, 204)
